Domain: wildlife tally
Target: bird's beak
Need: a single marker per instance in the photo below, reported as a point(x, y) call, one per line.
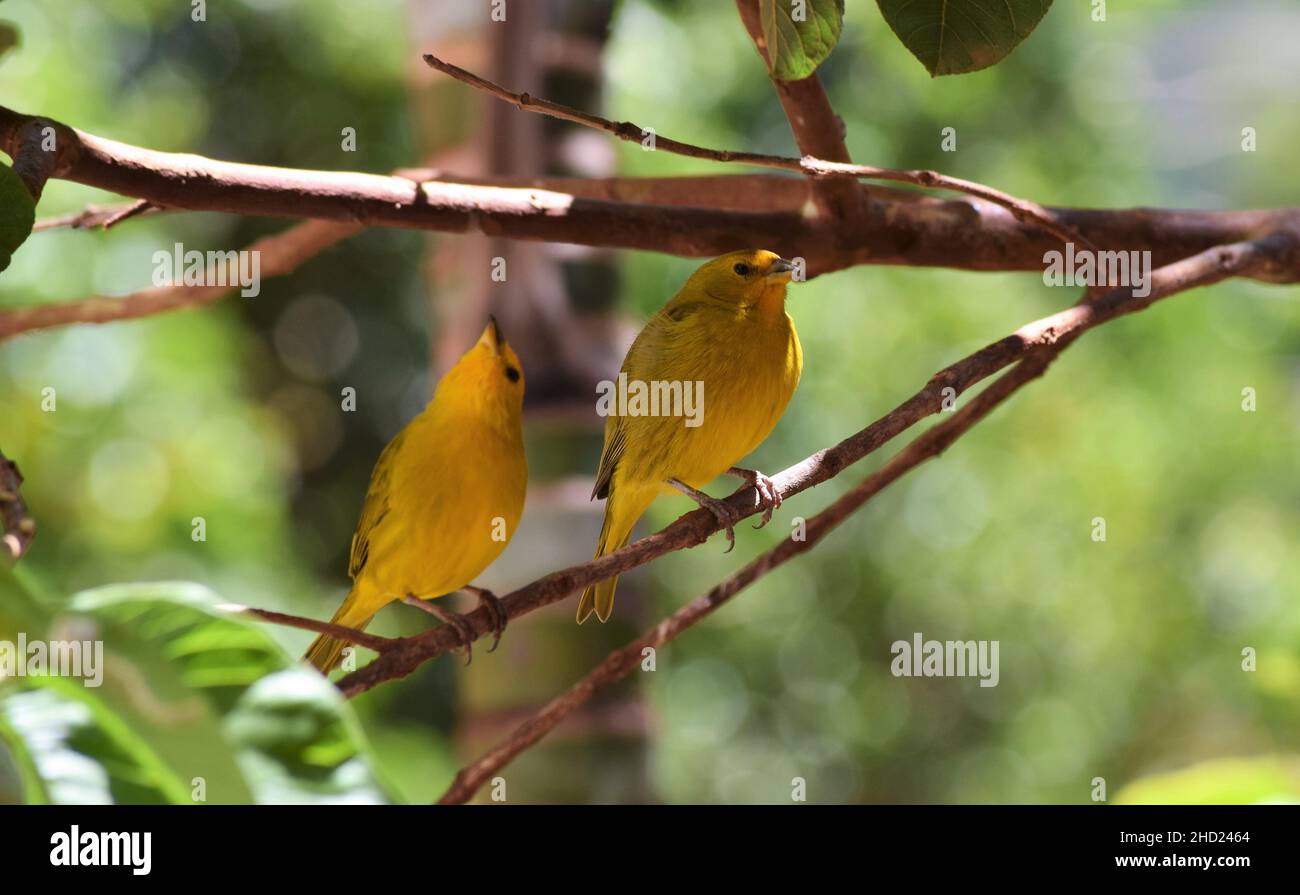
point(780, 271)
point(492, 335)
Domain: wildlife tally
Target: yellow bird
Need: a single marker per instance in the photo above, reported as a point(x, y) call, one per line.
point(444, 498)
point(727, 328)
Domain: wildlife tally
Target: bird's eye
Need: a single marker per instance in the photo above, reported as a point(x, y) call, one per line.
point(512, 374)
point(742, 269)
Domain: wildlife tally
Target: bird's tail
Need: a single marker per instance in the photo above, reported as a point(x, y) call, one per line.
point(621, 514)
point(325, 651)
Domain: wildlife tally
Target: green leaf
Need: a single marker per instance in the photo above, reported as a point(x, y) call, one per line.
point(20, 782)
point(192, 698)
point(176, 633)
point(258, 726)
point(952, 37)
point(298, 742)
point(17, 214)
point(800, 34)
point(81, 752)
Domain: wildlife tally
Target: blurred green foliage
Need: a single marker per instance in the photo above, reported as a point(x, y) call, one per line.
point(1120, 659)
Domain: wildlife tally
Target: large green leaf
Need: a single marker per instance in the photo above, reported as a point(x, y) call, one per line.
point(298, 742)
point(228, 714)
point(952, 37)
point(80, 751)
point(177, 625)
point(17, 214)
point(800, 34)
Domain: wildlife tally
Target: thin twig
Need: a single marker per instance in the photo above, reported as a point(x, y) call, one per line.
point(339, 632)
point(1204, 269)
point(281, 253)
point(946, 385)
point(90, 217)
point(1022, 209)
point(140, 206)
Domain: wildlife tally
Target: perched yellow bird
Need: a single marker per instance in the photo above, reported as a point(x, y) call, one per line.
point(444, 497)
point(727, 328)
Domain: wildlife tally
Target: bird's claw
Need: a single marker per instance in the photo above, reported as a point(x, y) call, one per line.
point(721, 510)
point(457, 621)
point(495, 609)
point(769, 496)
point(727, 518)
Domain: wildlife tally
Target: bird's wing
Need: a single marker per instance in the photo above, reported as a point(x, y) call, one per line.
point(646, 354)
point(615, 442)
point(375, 507)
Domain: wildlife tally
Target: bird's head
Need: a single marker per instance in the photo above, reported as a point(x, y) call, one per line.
point(745, 278)
point(487, 380)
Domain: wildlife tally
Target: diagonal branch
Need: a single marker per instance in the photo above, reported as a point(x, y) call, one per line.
point(694, 527)
point(1202, 270)
point(281, 254)
point(621, 662)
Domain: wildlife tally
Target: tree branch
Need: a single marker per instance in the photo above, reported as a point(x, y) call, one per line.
point(281, 254)
point(17, 528)
point(33, 162)
point(1022, 209)
point(1209, 267)
point(897, 229)
point(818, 131)
point(695, 527)
point(339, 632)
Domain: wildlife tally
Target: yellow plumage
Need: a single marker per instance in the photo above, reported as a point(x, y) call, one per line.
point(727, 328)
point(446, 494)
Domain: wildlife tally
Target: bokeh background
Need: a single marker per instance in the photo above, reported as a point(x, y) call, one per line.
point(1120, 660)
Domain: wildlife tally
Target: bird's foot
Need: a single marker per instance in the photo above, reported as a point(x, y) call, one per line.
point(769, 496)
point(463, 629)
point(495, 609)
point(726, 516)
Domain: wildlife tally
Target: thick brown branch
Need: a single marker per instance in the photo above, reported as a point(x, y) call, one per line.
point(17, 528)
point(693, 528)
point(37, 151)
point(1207, 268)
point(898, 229)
